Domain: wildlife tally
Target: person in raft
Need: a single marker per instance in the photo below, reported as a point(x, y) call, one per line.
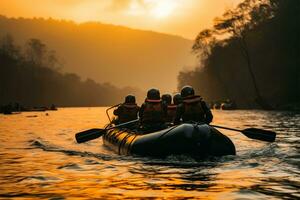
point(171, 112)
point(127, 111)
point(166, 99)
point(152, 112)
point(171, 108)
point(192, 108)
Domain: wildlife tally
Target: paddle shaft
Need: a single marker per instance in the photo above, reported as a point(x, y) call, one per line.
point(231, 129)
point(123, 124)
point(254, 133)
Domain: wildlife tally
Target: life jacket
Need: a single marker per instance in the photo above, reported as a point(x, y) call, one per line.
point(153, 112)
point(127, 112)
point(171, 113)
point(193, 110)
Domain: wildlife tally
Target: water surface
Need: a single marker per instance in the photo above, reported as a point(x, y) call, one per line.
point(39, 159)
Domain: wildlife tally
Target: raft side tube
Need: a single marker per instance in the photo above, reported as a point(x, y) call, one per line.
point(190, 139)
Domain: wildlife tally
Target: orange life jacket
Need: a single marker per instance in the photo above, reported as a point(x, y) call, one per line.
point(127, 112)
point(171, 113)
point(153, 112)
point(193, 110)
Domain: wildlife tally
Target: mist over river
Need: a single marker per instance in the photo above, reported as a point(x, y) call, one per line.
point(39, 159)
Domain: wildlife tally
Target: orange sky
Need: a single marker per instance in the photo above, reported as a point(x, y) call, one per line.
point(180, 17)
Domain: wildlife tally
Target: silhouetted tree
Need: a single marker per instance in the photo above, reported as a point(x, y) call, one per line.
point(35, 51)
point(34, 79)
point(52, 61)
point(263, 36)
point(9, 48)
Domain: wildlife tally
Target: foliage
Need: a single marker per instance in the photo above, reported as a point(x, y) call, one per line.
point(31, 77)
point(251, 52)
point(107, 53)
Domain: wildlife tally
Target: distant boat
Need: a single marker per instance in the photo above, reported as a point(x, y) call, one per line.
point(52, 107)
point(228, 106)
point(11, 113)
point(217, 106)
point(33, 109)
point(39, 109)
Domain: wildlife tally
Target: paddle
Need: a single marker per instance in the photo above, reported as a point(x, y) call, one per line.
point(94, 133)
point(254, 133)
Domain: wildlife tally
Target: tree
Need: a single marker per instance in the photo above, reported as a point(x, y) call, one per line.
point(236, 24)
point(203, 44)
point(8, 47)
point(35, 52)
point(52, 61)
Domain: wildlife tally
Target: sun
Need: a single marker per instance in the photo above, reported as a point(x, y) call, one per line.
point(162, 8)
point(152, 8)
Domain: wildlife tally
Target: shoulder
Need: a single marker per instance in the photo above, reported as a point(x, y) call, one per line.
point(205, 105)
point(119, 107)
point(122, 106)
point(143, 106)
point(180, 107)
point(164, 104)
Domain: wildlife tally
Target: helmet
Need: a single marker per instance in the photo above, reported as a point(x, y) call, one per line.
point(187, 91)
point(167, 98)
point(153, 94)
point(130, 99)
point(177, 99)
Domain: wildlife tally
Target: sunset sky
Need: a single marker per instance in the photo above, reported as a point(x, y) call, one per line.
point(180, 17)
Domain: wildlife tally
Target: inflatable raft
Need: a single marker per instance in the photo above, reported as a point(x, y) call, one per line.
point(186, 139)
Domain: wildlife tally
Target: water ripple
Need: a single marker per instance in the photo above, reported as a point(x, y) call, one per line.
point(39, 159)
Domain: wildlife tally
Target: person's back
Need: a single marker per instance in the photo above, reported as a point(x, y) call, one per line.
point(170, 108)
point(127, 111)
point(192, 108)
point(166, 99)
point(152, 112)
point(171, 113)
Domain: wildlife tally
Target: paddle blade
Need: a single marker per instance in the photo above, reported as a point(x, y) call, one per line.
point(89, 135)
point(260, 134)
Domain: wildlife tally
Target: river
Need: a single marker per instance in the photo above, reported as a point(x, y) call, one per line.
point(39, 159)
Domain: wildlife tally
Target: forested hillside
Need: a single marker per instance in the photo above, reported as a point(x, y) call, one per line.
point(32, 76)
point(251, 55)
point(108, 53)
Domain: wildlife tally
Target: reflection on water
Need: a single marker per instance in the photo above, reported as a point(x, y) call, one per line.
point(39, 158)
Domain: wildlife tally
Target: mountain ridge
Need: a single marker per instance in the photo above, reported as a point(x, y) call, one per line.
point(106, 52)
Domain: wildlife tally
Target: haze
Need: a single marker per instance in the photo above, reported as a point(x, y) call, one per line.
point(180, 17)
point(105, 52)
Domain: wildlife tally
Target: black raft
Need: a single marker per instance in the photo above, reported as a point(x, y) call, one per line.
point(196, 140)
